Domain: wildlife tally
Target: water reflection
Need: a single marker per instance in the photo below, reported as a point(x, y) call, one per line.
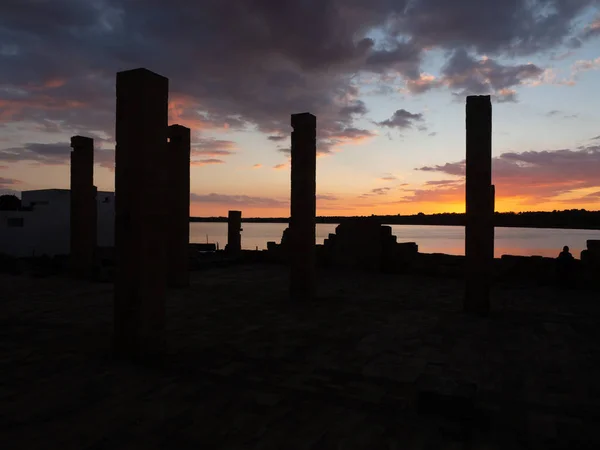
point(431, 239)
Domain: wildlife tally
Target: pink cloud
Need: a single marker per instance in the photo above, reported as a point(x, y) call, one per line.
point(529, 177)
point(205, 162)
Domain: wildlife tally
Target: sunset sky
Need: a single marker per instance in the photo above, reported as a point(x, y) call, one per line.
point(387, 80)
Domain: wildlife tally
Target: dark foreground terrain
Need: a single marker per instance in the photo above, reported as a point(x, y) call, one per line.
point(380, 362)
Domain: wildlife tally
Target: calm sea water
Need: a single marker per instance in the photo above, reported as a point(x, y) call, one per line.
point(431, 239)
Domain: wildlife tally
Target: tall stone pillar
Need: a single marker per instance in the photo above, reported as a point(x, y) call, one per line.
point(479, 230)
point(83, 221)
point(303, 207)
point(234, 228)
point(179, 198)
point(493, 200)
point(141, 213)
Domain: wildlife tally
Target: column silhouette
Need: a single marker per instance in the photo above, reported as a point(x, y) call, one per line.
point(479, 230)
point(142, 213)
point(234, 228)
point(303, 207)
point(83, 220)
point(179, 200)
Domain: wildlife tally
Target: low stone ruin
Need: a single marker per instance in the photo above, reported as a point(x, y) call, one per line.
point(363, 244)
point(368, 245)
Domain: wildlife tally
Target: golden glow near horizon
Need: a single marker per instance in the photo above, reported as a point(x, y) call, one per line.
point(388, 144)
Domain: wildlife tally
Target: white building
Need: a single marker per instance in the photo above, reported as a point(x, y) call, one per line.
point(43, 227)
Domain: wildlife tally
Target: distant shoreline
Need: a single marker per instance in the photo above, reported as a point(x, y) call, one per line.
point(259, 220)
point(573, 219)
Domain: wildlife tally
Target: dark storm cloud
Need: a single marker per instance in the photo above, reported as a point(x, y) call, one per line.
point(405, 58)
point(241, 63)
point(276, 138)
point(511, 26)
point(46, 153)
point(401, 119)
point(328, 138)
point(465, 75)
point(52, 154)
point(358, 107)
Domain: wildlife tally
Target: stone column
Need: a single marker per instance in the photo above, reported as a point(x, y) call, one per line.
point(83, 221)
point(179, 198)
point(234, 228)
point(479, 230)
point(141, 213)
point(493, 240)
point(303, 207)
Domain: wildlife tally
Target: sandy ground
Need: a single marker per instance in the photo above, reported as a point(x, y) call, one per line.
point(248, 369)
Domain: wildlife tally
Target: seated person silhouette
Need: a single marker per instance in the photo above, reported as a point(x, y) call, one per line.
point(565, 267)
point(565, 254)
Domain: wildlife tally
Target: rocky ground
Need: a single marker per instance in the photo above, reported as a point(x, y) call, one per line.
point(378, 362)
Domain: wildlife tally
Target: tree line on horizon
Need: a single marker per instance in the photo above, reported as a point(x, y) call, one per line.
point(570, 218)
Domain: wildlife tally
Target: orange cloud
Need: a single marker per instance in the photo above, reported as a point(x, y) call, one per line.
point(257, 166)
point(183, 111)
point(422, 84)
point(506, 92)
point(48, 84)
point(586, 64)
point(279, 166)
point(187, 111)
point(535, 180)
point(55, 83)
